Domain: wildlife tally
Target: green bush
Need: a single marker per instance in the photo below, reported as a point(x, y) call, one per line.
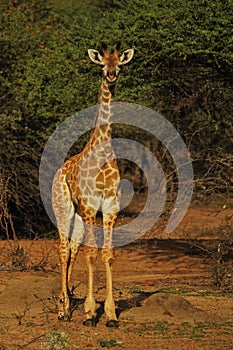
point(182, 68)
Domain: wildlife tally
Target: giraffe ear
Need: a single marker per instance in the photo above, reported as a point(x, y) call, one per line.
point(127, 56)
point(95, 56)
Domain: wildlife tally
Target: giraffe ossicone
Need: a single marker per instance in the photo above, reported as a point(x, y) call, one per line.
point(83, 184)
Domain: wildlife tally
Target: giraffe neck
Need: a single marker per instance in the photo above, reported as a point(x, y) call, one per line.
point(102, 125)
point(106, 93)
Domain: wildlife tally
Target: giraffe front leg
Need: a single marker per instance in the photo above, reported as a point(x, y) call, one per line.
point(108, 259)
point(109, 305)
point(89, 305)
point(64, 302)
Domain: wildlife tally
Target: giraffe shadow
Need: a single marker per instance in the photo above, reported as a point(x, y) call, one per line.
point(121, 304)
point(133, 302)
point(124, 304)
point(78, 304)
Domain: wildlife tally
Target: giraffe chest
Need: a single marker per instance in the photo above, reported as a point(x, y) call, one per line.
point(95, 187)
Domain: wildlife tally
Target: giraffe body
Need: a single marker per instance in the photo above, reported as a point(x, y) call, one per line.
point(85, 183)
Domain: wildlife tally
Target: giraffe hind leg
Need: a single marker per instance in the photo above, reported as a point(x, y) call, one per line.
point(71, 231)
point(76, 237)
point(68, 250)
point(64, 301)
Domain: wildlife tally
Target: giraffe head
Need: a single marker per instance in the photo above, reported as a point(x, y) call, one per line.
point(110, 62)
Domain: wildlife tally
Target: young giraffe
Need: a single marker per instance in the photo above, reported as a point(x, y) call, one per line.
point(84, 184)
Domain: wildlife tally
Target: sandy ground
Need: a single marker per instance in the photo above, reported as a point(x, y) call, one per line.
point(164, 291)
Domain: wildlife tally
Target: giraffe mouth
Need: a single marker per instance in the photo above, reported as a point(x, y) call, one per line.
point(111, 82)
point(111, 77)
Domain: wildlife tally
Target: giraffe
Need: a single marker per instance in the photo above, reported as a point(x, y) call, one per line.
point(85, 183)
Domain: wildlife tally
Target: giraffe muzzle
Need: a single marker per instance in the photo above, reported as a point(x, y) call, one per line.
point(111, 77)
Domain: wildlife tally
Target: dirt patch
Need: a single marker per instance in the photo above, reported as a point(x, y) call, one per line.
point(170, 308)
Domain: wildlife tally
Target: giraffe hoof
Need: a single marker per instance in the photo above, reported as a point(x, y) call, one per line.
point(90, 322)
point(112, 323)
point(63, 318)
